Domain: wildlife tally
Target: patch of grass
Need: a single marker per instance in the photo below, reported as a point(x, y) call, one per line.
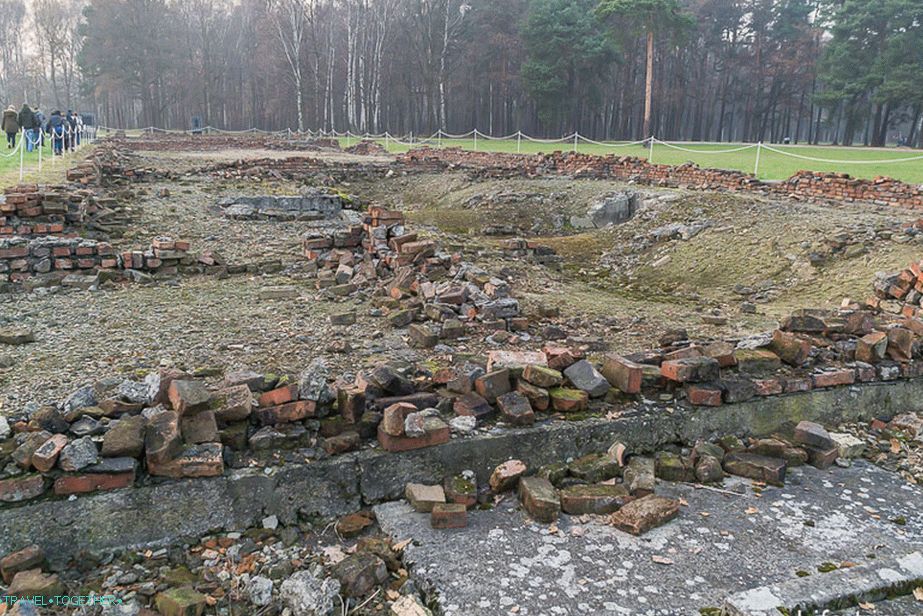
point(52, 168)
point(773, 166)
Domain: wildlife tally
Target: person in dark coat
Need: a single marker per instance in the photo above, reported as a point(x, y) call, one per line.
point(29, 123)
point(70, 129)
point(56, 129)
point(10, 126)
point(41, 125)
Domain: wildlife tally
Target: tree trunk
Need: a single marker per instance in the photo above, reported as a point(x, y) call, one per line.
point(648, 85)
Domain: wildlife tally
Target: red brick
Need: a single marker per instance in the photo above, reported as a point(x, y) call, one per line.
point(15, 252)
point(287, 413)
point(280, 395)
point(767, 387)
point(392, 443)
point(704, 395)
point(833, 378)
point(449, 515)
point(392, 422)
point(623, 374)
point(21, 488)
point(80, 484)
point(46, 455)
point(791, 385)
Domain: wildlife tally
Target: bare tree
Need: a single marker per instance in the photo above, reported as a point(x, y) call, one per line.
point(289, 17)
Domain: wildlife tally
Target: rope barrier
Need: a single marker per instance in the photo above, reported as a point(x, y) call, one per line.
point(843, 162)
point(574, 138)
point(728, 151)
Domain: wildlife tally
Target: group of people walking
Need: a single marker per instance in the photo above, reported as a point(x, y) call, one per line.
point(64, 130)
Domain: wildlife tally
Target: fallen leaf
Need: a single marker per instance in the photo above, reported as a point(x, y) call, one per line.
point(210, 600)
point(392, 595)
point(400, 545)
point(661, 560)
point(704, 514)
point(867, 606)
point(918, 593)
point(683, 502)
point(751, 510)
point(895, 446)
point(848, 564)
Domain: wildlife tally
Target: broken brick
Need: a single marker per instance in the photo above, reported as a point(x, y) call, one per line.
point(646, 513)
point(539, 498)
point(448, 515)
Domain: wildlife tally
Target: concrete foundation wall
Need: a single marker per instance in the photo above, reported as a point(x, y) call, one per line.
point(165, 513)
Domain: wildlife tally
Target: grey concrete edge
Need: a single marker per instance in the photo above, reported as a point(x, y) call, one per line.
point(160, 514)
point(835, 590)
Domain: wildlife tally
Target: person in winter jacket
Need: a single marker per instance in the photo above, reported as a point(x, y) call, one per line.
point(56, 129)
point(10, 126)
point(41, 124)
point(70, 130)
point(78, 123)
point(29, 123)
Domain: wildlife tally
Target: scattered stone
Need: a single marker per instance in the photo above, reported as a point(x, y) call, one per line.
point(539, 498)
point(409, 605)
point(506, 476)
point(449, 515)
point(849, 446)
point(646, 513)
point(423, 497)
point(78, 454)
point(516, 409)
point(31, 557)
point(16, 335)
point(623, 374)
point(359, 573)
point(596, 499)
point(568, 400)
point(187, 396)
point(305, 595)
point(542, 376)
point(352, 525)
point(587, 378)
point(34, 583)
point(259, 591)
point(813, 435)
point(639, 475)
point(759, 468)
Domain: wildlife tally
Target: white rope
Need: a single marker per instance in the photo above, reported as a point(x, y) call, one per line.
point(536, 140)
point(728, 151)
point(612, 145)
point(843, 162)
point(489, 138)
point(440, 135)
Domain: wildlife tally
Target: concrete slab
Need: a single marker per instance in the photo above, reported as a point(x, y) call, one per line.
point(720, 545)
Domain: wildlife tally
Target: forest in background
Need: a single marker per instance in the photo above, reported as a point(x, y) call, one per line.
point(819, 71)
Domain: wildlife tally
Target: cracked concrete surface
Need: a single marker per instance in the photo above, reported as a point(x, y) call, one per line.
point(721, 544)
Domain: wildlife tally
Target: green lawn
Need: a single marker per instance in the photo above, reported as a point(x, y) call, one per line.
point(51, 169)
point(773, 166)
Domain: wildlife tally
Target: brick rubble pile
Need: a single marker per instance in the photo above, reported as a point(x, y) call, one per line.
point(418, 285)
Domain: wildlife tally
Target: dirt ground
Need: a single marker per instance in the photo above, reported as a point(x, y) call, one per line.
point(748, 259)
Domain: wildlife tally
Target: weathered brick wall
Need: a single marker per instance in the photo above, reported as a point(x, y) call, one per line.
point(804, 184)
point(22, 258)
point(30, 210)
